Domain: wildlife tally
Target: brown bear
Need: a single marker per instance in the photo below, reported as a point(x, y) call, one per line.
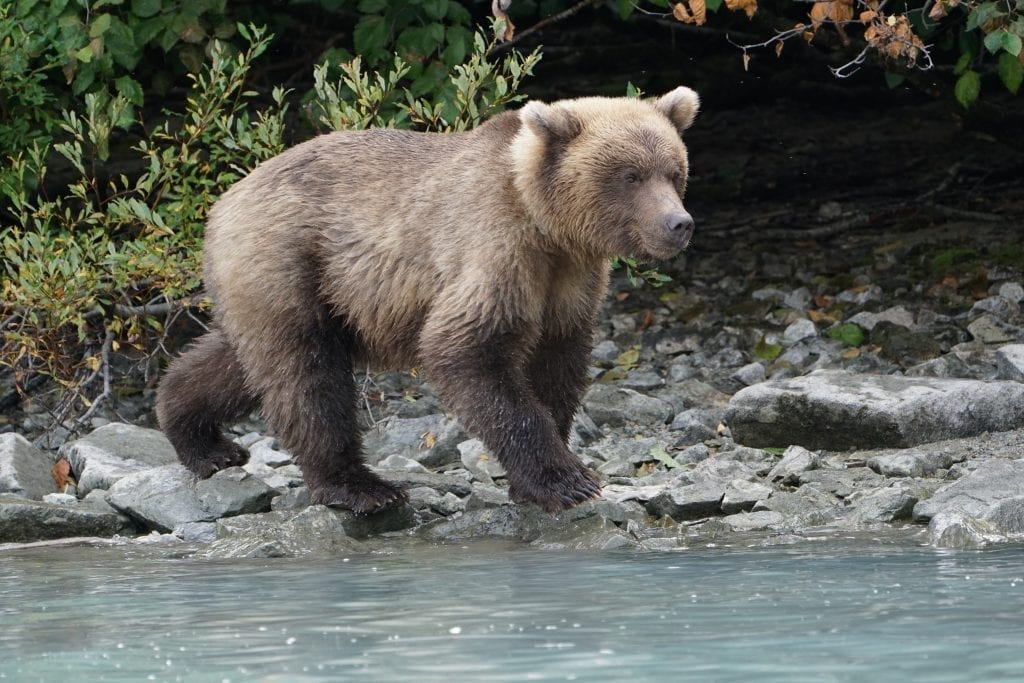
point(480, 257)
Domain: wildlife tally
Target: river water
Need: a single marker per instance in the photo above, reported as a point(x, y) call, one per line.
point(855, 609)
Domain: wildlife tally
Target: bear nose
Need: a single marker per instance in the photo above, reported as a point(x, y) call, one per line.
point(679, 225)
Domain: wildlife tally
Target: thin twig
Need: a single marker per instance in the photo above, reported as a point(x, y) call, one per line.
point(540, 25)
point(104, 367)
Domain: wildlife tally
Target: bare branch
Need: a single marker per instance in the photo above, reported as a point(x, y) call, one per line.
point(541, 25)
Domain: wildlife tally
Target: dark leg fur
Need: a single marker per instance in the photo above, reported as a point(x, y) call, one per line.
point(558, 375)
point(202, 389)
point(492, 396)
point(309, 395)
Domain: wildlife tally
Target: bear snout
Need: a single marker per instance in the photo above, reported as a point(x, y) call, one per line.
point(679, 225)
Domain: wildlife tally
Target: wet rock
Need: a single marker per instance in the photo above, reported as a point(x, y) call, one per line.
point(882, 505)
point(114, 451)
point(755, 521)
point(955, 529)
point(615, 406)
point(479, 462)
point(233, 491)
point(292, 499)
point(998, 306)
point(431, 440)
point(24, 470)
point(837, 410)
point(485, 496)
point(976, 493)
point(1010, 362)
point(795, 459)
point(807, 506)
point(313, 531)
point(687, 502)
point(400, 462)
point(196, 532)
point(721, 469)
point(521, 522)
point(588, 534)
point(741, 495)
point(60, 499)
point(912, 462)
point(444, 483)
point(23, 521)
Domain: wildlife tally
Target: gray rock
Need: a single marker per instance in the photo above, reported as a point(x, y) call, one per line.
point(431, 440)
point(807, 506)
point(687, 502)
point(842, 483)
point(838, 410)
point(976, 493)
point(641, 380)
point(24, 521)
point(897, 315)
point(586, 431)
point(955, 529)
point(617, 467)
point(521, 522)
point(196, 532)
point(444, 483)
point(159, 498)
point(795, 459)
point(1012, 291)
point(798, 330)
point(998, 306)
point(989, 330)
point(24, 470)
point(721, 470)
point(692, 455)
point(606, 351)
point(60, 499)
point(882, 505)
point(233, 491)
point(749, 374)
point(313, 531)
point(479, 462)
point(485, 496)
point(693, 393)
point(1008, 516)
point(741, 495)
point(755, 521)
point(615, 406)
point(695, 426)
point(263, 453)
point(400, 462)
point(799, 299)
point(292, 499)
point(913, 462)
point(448, 504)
point(115, 451)
point(1010, 362)
point(587, 534)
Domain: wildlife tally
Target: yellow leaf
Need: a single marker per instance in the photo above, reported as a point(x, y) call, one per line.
point(748, 6)
point(778, 48)
point(746, 61)
point(680, 12)
point(699, 10)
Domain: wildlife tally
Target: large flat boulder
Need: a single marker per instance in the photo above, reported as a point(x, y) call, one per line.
point(114, 451)
point(23, 521)
point(837, 410)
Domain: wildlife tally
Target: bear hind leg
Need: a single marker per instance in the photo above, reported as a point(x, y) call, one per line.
point(203, 388)
point(310, 396)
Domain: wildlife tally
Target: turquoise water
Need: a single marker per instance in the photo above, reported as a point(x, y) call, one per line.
point(853, 610)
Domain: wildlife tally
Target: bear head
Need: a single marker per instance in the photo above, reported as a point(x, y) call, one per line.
point(606, 176)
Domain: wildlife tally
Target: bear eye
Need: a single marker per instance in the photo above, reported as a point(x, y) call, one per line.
point(632, 177)
point(677, 175)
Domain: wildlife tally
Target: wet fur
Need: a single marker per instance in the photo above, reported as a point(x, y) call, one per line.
point(481, 257)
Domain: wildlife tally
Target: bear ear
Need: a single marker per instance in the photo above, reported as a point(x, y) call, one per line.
point(550, 123)
point(679, 106)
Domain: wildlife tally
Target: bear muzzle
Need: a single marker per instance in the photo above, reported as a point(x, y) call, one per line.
point(670, 237)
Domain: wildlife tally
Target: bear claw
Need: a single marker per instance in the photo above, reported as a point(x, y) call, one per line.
point(363, 494)
point(224, 455)
point(559, 491)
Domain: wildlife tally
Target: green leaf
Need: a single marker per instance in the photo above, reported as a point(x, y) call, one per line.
point(994, 41)
point(628, 358)
point(967, 88)
point(1011, 72)
point(436, 9)
point(982, 14)
point(766, 351)
point(130, 89)
point(626, 8)
point(848, 333)
point(371, 36)
point(713, 5)
point(962, 63)
point(84, 55)
point(632, 90)
point(894, 80)
point(145, 8)
point(662, 456)
point(1011, 42)
point(99, 26)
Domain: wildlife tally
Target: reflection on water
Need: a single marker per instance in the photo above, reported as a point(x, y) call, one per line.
point(825, 611)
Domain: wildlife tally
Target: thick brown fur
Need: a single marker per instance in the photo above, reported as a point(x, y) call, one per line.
point(481, 257)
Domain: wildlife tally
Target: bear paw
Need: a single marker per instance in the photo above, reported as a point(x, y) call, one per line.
point(223, 455)
point(556, 489)
point(362, 493)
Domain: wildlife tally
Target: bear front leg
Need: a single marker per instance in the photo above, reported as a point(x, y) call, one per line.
point(557, 372)
point(484, 382)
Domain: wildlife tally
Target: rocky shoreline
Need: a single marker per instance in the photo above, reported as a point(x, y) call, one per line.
point(881, 389)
